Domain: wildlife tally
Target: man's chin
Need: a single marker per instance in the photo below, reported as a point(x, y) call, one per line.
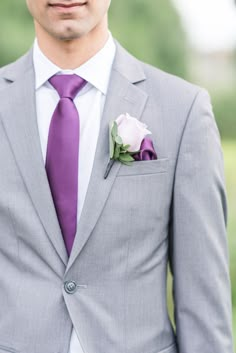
point(67, 35)
point(68, 38)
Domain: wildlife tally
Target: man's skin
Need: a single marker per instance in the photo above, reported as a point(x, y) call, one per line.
point(70, 32)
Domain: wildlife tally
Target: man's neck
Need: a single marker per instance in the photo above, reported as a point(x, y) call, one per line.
point(74, 53)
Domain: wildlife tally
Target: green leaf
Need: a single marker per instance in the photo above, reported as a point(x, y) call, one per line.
point(118, 140)
point(126, 163)
point(114, 130)
point(111, 141)
point(126, 158)
point(111, 124)
point(117, 151)
point(125, 147)
point(112, 147)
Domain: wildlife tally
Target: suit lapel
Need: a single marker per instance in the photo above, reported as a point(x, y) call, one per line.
point(123, 96)
point(18, 114)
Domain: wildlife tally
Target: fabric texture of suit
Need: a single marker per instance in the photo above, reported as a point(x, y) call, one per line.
point(142, 217)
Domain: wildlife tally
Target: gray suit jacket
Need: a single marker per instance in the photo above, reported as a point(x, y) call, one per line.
point(142, 217)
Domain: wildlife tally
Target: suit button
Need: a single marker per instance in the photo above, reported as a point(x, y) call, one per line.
point(70, 287)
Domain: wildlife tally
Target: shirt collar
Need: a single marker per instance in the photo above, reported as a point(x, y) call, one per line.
point(99, 78)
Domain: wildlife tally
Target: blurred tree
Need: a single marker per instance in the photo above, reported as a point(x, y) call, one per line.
point(16, 30)
point(152, 31)
point(224, 105)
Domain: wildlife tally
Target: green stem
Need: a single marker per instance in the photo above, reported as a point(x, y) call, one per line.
point(109, 166)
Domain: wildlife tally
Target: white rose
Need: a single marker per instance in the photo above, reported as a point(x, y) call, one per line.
point(132, 131)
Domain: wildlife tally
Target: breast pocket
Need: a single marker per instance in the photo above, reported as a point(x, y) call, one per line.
point(142, 185)
point(141, 192)
point(137, 212)
point(144, 167)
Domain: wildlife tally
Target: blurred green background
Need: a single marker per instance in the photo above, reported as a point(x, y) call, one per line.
point(152, 30)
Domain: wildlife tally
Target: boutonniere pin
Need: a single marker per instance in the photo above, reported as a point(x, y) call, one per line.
point(127, 142)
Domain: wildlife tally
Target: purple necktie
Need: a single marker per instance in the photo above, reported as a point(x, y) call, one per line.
point(62, 154)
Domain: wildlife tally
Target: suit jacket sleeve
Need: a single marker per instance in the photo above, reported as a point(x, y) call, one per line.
point(199, 259)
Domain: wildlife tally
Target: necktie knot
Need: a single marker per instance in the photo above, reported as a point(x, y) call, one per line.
point(67, 86)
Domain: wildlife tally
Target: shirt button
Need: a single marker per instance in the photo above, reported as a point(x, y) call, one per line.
point(70, 287)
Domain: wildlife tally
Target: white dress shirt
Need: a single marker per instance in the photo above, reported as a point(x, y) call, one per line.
point(89, 102)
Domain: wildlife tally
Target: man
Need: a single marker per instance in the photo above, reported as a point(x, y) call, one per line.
point(84, 258)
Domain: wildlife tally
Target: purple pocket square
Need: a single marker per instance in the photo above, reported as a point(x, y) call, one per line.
point(147, 151)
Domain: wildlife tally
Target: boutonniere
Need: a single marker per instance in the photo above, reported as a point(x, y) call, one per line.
point(127, 142)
